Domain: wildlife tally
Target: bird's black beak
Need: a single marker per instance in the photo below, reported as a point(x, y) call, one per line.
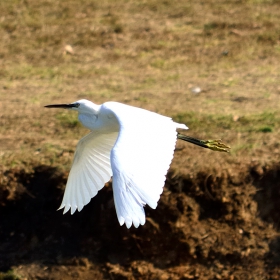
point(64, 106)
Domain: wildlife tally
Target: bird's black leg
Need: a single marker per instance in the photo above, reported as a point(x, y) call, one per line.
point(215, 145)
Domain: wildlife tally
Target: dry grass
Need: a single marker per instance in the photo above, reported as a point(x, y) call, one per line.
point(145, 53)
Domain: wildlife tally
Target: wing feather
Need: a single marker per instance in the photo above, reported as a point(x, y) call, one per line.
point(91, 169)
point(84, 192)
point(93, 191)
point(100, 168)
point(78, 194)
point(140, 159)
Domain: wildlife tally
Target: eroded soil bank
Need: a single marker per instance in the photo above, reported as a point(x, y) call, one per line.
point(212, 226)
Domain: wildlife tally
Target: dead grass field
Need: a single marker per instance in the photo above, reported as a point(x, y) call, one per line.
point(218, 217)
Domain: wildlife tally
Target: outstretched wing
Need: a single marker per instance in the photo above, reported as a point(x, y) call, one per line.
point(140, 159)
point(91, 169)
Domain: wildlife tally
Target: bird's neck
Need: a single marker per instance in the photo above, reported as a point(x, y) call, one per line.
point(88, 120)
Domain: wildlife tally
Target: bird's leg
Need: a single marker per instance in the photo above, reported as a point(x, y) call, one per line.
point(215, 145)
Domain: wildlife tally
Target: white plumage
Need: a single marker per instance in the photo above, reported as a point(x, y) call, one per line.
point(133, 145)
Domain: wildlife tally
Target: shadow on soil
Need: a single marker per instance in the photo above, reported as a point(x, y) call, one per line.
point(197, 222)
point(267, 183)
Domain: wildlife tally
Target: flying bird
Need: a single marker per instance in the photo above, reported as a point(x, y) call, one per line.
point(133, 146)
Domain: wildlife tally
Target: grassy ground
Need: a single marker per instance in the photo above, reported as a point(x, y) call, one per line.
point(150, 54)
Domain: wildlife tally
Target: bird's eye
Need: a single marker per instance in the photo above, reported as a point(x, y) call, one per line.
point(77, 105)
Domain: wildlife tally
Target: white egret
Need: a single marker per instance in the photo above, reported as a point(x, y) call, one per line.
point(133, 146)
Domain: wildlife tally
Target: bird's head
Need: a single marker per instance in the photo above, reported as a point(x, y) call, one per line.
point(82, 106)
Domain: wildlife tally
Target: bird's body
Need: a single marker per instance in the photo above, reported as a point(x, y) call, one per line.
point(133, 146)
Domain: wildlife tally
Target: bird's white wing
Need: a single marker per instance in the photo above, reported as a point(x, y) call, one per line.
point(91, 169)
point(140, 159)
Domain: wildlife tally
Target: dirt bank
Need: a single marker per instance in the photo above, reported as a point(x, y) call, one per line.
point(207, 227)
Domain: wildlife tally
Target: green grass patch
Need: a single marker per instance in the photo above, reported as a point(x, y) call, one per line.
point(10, 275)
point(158, 63)
point(265, 129)
point(68, 119)
point(264, 122)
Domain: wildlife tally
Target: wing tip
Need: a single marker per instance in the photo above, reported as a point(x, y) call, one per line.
point(68, 207)
point(129, 221)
